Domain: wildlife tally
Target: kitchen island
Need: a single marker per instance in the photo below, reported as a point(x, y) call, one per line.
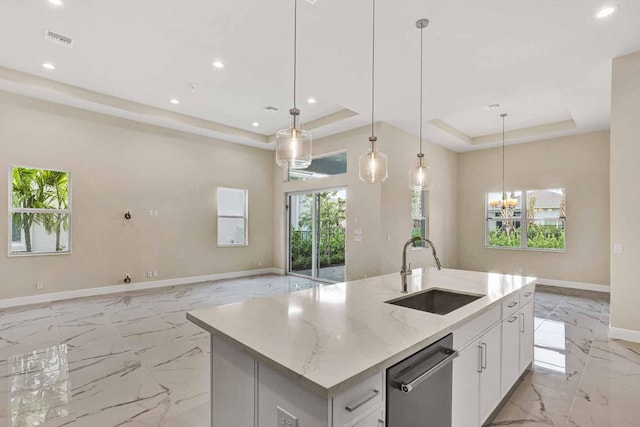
point(319, 357)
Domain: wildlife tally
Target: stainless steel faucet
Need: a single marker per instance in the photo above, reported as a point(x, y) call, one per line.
point(407, 271)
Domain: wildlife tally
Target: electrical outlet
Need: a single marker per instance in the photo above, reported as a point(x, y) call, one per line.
point(155, 273)
point(39, 285)
point(358, 238)
point(149, 273)
point(285, 419)
point(260, 263)
point(156, 212)
point(617, 248)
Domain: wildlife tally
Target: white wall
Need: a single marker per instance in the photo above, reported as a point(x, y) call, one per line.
point(580, 164)
point(625, 192)
point(118, 165)
point(383, 211)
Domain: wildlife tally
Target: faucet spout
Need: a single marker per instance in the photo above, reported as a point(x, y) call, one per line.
point(404, 272)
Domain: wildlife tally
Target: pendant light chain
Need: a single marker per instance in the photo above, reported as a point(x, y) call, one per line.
point(373, 70)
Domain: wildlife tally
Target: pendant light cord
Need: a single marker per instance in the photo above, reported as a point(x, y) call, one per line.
point(503, 193)
point(421, 78)
point(373, 69)
point(295, 50)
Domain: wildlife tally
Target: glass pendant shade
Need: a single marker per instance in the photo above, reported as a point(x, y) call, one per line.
point(421, 175)
point(373, 166)
point(293, 148)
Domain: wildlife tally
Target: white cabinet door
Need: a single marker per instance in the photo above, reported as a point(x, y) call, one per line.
point(466, 387)
point(510, 352)
point(374, 419)
point(526, 336)
point(490, 377)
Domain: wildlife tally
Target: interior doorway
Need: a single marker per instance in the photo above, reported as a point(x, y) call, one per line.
point(316, 234)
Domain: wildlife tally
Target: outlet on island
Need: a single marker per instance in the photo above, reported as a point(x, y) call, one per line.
point(285, 419)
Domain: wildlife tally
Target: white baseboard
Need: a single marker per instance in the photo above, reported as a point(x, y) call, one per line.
point(624, 334)
point(574, 285)
point(105, 290)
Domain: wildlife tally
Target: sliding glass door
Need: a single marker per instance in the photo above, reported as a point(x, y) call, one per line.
point(316, 234)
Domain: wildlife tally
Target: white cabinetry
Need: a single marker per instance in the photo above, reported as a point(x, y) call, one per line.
point(526, 335)
point(517, 344)
point(476, 380)
point(466, 387)
point(510, 352)
point(374, 419)
point(488, 366)
point(490, 372)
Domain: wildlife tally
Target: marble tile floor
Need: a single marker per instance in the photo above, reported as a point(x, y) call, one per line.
point(580, 378)
point(126, 359)
point(134, 360)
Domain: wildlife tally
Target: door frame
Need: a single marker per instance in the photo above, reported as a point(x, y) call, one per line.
point(314, 232)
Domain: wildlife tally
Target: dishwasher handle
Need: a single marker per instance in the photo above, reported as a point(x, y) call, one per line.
point(406, 387)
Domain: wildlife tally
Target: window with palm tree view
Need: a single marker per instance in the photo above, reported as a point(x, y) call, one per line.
point(533, 219)
point(40, 211)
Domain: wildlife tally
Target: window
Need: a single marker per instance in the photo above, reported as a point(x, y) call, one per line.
point(418, 216)
point(532, 219)
point(322, 166)
point(232, 217)
point(39, 211)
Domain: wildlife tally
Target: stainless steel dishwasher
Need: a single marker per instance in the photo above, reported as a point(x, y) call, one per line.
point(419, 389)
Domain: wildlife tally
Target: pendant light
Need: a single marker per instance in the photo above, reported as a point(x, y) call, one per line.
point(293, 145)
point(372, 166)
point(421, 174)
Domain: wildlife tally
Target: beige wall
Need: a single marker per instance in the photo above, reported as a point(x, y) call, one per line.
point(118, 165)
point(578, 163)
point(625, 192)
point(383, 211)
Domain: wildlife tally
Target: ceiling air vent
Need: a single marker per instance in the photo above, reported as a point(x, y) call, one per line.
point(271, 108)
point(58, 39)
point(492, 107)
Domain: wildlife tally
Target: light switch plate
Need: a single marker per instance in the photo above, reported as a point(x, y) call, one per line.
point(617, 248)
point(358, 231)
point(358, 238)
point(285, 419)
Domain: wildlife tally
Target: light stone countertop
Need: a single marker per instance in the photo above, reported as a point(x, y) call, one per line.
point(332, 337)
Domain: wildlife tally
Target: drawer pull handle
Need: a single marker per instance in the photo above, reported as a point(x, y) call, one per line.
point(363, 401)
point(527, 295)
point(522, 322)
point(512, 304)
point(513, 319)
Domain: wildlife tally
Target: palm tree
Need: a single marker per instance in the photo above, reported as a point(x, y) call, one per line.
point(24, 196)
point(53, 193)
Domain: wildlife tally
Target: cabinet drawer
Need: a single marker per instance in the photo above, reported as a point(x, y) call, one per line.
point(358, 400)
point(474, 327)
point(527, 294)
point(510, 305)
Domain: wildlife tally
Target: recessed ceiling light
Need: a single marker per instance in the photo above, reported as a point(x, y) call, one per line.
point(311, 100)
point(255, 124)
point(48, 66)
point(56, 2)
point(174, 101)
point(606, 11)
point(218, 64)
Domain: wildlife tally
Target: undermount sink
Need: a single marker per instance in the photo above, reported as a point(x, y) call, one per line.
point(435, 301)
